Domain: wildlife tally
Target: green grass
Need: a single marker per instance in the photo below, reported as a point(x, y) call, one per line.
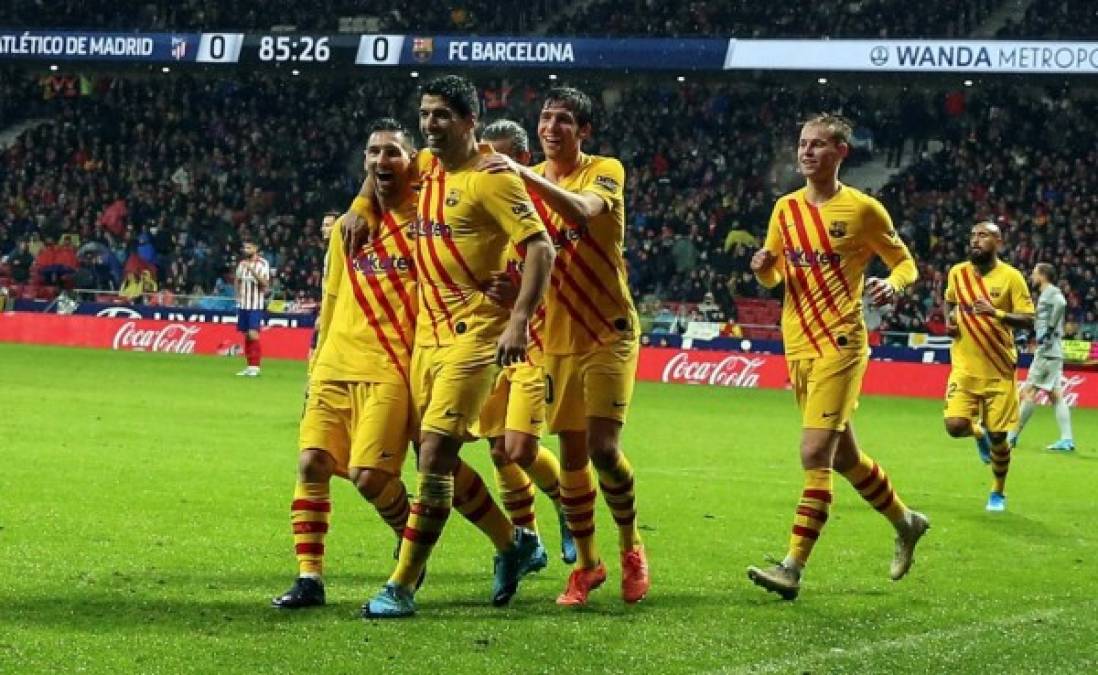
point(144, 513)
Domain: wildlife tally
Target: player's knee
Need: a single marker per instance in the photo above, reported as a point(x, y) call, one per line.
point(315, 466)
point(958, 427)
point(522, 450)
point(499, 453)
point(370, 482)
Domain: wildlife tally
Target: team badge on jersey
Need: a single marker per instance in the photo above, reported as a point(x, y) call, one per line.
point(522, 209)
point(995, 291)
point(453, 197)
point(837, 229)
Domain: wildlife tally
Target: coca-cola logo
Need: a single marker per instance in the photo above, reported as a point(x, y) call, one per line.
point(733, 370)
point(1068, 386)
point(175, 338)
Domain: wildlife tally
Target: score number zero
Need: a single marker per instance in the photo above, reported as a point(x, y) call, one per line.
point(379, 50)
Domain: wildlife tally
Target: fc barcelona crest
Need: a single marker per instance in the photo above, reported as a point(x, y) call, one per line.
point(837, 229)
point(423, 48)
point(452, 198)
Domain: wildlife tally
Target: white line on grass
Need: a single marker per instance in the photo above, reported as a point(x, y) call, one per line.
point(800, 662)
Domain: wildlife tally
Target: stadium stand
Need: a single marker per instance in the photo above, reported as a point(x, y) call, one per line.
point(470, 16)
point(165, 174)
point(1060, 19)
point(745, 18)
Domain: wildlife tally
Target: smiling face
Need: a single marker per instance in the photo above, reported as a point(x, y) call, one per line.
point(559, 131)
point(444, 129)
point(819, 153)
point(389, 159)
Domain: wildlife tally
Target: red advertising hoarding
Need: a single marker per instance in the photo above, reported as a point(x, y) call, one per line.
point(765, 371)
point(657, 364)
point(145, 335)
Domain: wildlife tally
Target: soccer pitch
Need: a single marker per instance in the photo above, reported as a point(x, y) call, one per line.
point(144, 525)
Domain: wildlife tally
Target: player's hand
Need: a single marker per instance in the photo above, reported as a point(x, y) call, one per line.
point(512, 344)
point(880, 291)
point(501, 290)
point(497, 163)
point(762, 260)
point(982, 306)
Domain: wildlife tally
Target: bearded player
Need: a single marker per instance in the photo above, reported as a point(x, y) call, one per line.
point(819, 241)
point(466, 220)
point(356, 418)
point(986, 300)
point(253, 277)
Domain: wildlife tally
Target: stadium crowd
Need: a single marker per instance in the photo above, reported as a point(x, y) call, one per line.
point(740, 18)
point(475, 16)
point(746, 19)
point(147, 185)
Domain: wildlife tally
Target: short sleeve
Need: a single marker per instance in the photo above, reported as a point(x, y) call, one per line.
point(882, 236)
point(607, 180)
point(504, 197)
point(1020, 300)
point(951, 288)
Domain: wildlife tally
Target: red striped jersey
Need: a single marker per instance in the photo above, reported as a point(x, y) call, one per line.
point(368, 334)
point(822, 252)
point(985, 345)
point(253, 276)
point(588, 303)
point(466, 221)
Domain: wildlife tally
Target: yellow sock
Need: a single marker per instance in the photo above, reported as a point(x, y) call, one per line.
point(872, 483)
point(811, 514)
point(425, 522)
point(616, 484)
point(577, 499)
point(309, 513)
point(1000, 465)
point(517, 494)
point(474, 502)
point(392, 505)
point(545, 470)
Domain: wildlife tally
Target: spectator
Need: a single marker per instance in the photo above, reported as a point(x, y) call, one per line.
point(21, 261)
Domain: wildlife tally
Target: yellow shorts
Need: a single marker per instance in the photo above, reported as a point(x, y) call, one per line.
point(450, 385)
point(362, 425)
point(827, 388)
point(516, 404)
point(994, 400)
point(598, 383)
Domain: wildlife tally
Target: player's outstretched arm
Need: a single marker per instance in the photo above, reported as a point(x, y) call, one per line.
point(535, 278)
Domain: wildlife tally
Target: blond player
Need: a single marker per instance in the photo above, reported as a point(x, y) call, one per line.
point(819, 241)
point(986, 299)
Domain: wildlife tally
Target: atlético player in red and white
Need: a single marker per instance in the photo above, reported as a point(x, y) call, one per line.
point(253, 276)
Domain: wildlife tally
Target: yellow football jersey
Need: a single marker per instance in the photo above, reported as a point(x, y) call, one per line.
point(368, 333)
point(822, 252)
point(466, 220)
point(985, 346)
point(588, 303)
